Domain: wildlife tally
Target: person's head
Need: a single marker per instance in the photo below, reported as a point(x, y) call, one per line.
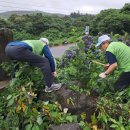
point(103, 42)
point(45, 40)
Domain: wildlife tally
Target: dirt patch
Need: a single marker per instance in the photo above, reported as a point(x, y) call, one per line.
point(3, 83)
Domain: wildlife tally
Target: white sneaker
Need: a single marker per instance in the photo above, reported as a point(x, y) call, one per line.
point(53, 87)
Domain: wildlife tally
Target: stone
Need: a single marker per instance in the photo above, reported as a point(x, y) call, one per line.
point(79, 102)
point(71, 126)
point(6, 36)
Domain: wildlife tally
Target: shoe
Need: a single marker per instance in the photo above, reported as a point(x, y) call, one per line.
point(52, 88)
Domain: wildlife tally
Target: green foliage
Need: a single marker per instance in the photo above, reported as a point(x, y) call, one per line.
point(52, 34)
point(85, 125)
point(126, 9)
point(111, 20)
point(4, 23)
point(80, 68)
point(22, 35)
point(23, 109)
point(114, 110)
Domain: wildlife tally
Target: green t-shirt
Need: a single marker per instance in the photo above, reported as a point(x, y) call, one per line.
point(122, 54)
point(36, 45)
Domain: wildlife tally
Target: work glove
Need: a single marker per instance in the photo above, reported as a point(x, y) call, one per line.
point(102, 75)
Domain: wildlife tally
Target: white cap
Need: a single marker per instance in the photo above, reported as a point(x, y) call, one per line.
point(45, 40)
point(101, 39)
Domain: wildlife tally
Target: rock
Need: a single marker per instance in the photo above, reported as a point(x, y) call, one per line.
point(76, 103)
point(41, 95)
point(71, 126)
point(6, 36)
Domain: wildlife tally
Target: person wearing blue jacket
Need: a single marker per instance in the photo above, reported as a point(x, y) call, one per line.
point(37, 53)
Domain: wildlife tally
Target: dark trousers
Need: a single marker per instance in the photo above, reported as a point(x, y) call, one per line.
point(123, 81)
point(20, 53)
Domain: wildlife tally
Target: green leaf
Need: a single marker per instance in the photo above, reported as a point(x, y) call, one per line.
point(74, 118)
point(82, 123)
point(128, 92)
point(39, 120)
point(28, 127)
point(11, 101)
point(9, 96)
point(120, 119)
point(122, 128)
point(113, 120)
point(86, 128)
point(114, 126)
point(104, 118)
point(69, 118)
point(15, 128)
point(54, 114)
point(35, 127)
point(93, 118)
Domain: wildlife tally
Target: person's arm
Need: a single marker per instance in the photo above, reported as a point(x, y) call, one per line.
point(112, 61)
point(111, 66)
point(47, 53)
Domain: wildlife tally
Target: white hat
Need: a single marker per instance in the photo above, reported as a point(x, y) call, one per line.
point(101, 39)
point(45, 40)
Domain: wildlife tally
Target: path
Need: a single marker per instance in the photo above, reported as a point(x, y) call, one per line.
point(58, 51)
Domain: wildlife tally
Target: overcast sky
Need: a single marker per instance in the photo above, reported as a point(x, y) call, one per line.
point(62, 6)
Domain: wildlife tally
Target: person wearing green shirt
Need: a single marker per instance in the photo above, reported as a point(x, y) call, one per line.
point(118, 55)
point(37, 53)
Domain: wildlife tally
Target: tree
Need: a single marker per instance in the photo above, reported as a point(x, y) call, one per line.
point(126, 22)
point(126, 9)
point(95, 26)
point(112, 23)
point(18, 22)
point(4, 23)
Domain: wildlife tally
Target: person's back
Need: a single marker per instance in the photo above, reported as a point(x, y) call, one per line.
point(32, 51)
point(122, 53)
point(37, 45)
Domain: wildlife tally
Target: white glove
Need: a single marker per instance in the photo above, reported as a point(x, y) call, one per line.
point(102, 75)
